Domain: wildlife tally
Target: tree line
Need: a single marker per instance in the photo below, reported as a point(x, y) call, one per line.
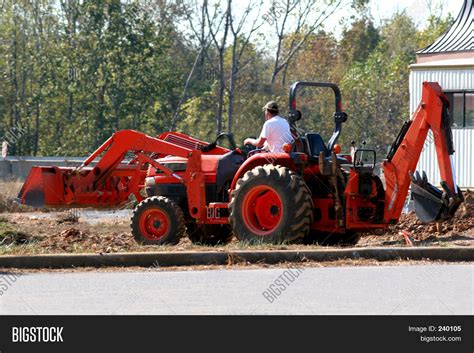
point(75, 71)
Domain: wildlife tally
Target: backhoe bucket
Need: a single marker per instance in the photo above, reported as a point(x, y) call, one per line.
point(43, 187)
point(432, 204)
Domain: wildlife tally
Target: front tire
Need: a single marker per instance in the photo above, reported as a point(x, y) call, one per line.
point(271, 204)
point(158, 221)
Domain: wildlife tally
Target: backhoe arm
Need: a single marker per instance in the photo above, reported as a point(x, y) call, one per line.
point(399, 168)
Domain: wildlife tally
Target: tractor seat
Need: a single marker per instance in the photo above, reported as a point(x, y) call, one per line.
point(227, 166)
point(316, 145)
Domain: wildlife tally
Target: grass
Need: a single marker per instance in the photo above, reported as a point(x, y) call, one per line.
point(8, 192)
point(24, 249)
point(11, 237)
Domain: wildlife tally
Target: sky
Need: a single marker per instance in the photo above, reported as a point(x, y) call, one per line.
point(380, 10)
point(417, 9)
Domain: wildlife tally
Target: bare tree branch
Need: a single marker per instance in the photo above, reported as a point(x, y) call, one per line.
point(237, 53)
point(304, 11)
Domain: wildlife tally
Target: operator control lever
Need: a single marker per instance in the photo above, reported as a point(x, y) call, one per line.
point(361, 159)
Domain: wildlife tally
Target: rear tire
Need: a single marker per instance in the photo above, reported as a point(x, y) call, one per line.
point(271, 204)
point(209, 234)
point(158, 221)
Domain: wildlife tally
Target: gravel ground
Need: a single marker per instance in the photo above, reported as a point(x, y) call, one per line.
point(89, 231)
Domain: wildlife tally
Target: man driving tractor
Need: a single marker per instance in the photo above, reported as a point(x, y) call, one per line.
point(275, 132)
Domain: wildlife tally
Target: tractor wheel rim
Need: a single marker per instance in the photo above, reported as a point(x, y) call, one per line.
point(154, 224)
point(262, 210)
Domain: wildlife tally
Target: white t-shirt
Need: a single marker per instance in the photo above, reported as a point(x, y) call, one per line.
point(277, 132)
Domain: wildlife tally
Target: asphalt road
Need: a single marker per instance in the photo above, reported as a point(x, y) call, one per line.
point(397, 290)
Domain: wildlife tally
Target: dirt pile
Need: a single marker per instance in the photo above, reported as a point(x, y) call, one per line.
point(73, 239)
point(68, 217)
point(456, 231)
point(463, 221)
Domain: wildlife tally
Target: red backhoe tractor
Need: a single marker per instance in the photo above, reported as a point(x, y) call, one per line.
point(310, 191)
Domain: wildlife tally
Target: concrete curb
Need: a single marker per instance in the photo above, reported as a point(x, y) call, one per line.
point(165, 259)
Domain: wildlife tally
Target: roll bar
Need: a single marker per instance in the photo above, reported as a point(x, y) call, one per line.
point(339, 116)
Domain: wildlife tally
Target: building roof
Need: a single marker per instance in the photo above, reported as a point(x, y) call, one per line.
point(450, 64)
point(459, 37)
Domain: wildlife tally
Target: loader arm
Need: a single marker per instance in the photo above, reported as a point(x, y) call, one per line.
point(118, 145)
point(399, 167)
point(110, 183)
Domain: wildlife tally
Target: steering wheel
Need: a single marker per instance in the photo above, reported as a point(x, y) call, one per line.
point(229, 137)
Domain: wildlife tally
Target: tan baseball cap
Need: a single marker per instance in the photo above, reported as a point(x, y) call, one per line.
point(271, 106)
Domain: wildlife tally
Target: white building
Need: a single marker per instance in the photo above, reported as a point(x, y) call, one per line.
point(450, 62)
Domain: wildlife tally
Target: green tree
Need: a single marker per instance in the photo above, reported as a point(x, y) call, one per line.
point(198, 116)
point(435, 28)
point(358, 41)
point(376, 90)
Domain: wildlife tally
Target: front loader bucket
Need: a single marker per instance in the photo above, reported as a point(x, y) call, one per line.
point(432, 204)
point(43, 187)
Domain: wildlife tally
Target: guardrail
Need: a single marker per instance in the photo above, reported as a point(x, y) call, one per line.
point(19, 167)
